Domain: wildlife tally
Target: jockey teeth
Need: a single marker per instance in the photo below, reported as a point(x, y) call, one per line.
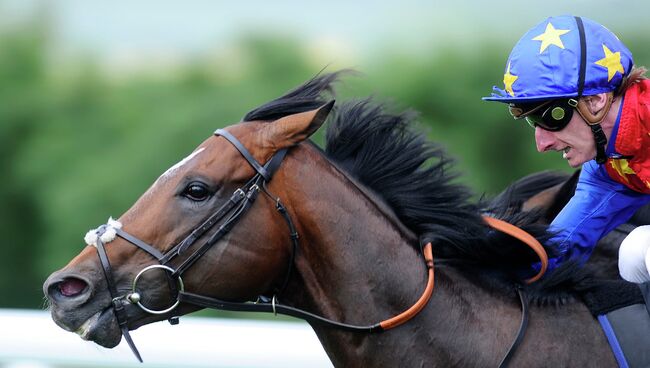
point(565, 151)
point(84, 329)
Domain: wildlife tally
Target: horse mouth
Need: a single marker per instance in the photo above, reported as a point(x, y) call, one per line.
point(85, 329)
point(100, 328)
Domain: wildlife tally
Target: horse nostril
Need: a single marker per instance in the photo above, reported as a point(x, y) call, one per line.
point(71, 286)
point(67, 289)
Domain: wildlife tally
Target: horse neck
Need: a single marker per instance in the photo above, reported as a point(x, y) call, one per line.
point(346, 238)
point(357, 265)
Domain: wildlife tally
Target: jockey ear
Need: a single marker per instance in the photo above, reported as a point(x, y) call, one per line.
point(293, 129)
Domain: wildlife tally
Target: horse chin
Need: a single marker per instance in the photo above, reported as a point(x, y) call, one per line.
point(102, 329)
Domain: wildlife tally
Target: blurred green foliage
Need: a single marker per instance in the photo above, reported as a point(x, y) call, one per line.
point(78, 146)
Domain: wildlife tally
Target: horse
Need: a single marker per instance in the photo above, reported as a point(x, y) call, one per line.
point(259, 212)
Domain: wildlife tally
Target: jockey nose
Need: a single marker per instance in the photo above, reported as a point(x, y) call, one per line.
point(544, 139)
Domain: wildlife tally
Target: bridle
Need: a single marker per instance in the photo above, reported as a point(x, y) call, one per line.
point(229, 214)
point(232, 211)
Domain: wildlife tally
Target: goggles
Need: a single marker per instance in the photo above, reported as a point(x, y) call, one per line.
point(552, 115)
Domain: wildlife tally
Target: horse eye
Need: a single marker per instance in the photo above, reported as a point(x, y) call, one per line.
point(196, 192)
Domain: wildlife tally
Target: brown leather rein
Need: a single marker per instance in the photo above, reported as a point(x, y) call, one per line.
point(427, 252)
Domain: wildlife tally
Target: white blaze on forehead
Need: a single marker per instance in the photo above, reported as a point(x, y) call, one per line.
point(180, 164)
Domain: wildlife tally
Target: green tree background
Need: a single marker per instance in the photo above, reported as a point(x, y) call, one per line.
point(77, 146)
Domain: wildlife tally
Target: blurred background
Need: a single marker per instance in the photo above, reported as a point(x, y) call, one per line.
point(98, 98)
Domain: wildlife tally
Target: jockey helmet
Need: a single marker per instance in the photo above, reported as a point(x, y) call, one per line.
point(563, 57)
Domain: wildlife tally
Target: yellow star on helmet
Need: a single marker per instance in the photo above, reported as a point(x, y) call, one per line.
point(551, 36)
point(611, 61)
point(508, 80)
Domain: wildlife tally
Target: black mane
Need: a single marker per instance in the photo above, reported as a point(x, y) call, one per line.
point(414, 176)
point(386, 153)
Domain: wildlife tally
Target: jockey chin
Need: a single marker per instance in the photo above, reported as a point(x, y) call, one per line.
point(574, 82)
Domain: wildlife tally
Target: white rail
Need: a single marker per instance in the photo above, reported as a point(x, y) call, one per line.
point(30, 339)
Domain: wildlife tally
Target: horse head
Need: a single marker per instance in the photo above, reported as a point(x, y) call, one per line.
point(177, 235)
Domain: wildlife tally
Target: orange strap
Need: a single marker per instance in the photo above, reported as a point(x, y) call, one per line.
point(500, 225)
point(520, 234)
point(417, 307)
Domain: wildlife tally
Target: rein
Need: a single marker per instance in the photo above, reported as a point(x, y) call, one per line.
point(537, 247)
point(232, 211)
point(276, 308)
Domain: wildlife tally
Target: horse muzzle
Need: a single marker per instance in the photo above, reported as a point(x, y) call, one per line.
point(77, 307)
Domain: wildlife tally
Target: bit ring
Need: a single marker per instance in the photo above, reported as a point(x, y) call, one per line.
point(136, 296)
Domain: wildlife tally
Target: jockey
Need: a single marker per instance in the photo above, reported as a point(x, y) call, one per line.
point(574, 82)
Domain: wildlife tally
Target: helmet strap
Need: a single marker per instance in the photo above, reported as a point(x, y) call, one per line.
point(594, 120)
point(601, 141)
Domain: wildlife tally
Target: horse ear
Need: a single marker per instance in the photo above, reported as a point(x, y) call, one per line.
point(293, 129)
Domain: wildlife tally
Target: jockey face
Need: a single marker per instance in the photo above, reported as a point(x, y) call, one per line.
point(575, 141)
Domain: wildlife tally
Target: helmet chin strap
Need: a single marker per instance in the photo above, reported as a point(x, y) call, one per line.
point(594, 120)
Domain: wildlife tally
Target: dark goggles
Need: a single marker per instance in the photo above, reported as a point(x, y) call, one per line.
point(553, 115)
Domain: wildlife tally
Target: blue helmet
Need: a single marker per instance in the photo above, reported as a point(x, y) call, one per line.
point(562, 57)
